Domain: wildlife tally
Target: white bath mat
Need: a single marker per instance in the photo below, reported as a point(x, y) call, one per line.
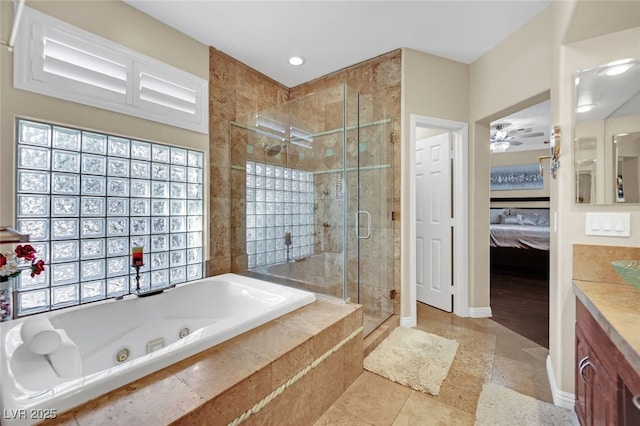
point(499, 406)
point(413, 358)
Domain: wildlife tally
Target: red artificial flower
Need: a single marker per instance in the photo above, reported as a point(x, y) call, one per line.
point(27, 252)
point(37, 268)
point(3, 260)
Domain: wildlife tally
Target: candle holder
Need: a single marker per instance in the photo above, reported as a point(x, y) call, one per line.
point(144, 293)
point(287, 243)
point(137, 266)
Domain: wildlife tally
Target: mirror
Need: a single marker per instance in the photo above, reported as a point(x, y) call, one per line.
point(607, 133)
point(626, 155)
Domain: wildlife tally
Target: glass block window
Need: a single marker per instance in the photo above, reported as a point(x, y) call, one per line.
point(279, 203)
point(87, 198)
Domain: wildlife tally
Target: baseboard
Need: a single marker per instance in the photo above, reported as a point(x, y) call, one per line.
point(480, 312)
point(408, 321)
point(560, 398)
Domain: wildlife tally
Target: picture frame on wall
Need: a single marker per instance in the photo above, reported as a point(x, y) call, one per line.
point(516, 177)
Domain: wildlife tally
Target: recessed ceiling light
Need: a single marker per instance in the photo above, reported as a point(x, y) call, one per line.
point(296, 61)
point(585, 108)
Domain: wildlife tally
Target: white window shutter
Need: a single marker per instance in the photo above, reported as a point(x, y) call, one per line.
point(170, 94)
point(83, 70)
point(56, 59)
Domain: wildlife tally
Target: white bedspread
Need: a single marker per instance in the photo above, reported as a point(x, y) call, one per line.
point(520, 236)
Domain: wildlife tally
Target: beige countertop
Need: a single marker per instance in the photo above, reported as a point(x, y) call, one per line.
point(616, 308)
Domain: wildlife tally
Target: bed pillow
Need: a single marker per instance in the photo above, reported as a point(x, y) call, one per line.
point(528, 219)
point(497, 215)
point(511, 220)
point(543, 218)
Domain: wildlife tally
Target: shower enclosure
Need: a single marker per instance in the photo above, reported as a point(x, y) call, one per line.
point(312, 194)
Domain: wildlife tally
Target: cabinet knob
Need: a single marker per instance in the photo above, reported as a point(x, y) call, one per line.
point(636, 401)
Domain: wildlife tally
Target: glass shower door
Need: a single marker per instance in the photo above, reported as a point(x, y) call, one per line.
point(312, 183)
point(371, 201)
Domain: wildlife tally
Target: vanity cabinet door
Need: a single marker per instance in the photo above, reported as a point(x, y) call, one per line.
point(596, 389)
point(604, 394)
point(629, 396)
point(629, 412)
point(583, 405)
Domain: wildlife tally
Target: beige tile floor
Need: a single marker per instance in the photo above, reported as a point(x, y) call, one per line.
point(488, 352)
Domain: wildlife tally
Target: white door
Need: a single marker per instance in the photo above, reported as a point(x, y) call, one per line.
point(433, 222)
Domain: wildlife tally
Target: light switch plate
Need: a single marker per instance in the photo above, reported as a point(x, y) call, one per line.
point(608, 224)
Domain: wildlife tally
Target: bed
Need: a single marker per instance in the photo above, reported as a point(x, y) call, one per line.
point(521, 228)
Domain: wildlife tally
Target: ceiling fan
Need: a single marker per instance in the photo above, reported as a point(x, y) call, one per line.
point(501, 140)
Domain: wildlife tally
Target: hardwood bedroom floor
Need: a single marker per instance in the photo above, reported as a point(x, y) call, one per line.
point(520, 302)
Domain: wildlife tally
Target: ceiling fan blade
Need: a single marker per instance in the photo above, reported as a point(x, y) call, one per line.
point(515, 143)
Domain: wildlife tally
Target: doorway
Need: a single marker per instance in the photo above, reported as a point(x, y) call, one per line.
point(519, 222)
point(457, 222)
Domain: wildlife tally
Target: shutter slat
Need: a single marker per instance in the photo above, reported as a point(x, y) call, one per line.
point(54, 49)
point(84, 75)
point(148, 81)
point(168, 101)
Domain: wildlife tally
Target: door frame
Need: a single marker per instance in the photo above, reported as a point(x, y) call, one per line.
point(460, 189)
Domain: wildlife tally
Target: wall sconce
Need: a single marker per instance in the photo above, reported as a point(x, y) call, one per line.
point(554, 155)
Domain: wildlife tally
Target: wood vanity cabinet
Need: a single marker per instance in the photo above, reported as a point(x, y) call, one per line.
point(605, 382)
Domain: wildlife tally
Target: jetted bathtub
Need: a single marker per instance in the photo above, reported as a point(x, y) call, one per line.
point(122, 340)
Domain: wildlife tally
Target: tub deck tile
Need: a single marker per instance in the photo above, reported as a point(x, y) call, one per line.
point(218, 369)
point(293, 361)
point(353, 361)
point(272, 340)
point(318, 316)
point(231, 403)
point(155, 399)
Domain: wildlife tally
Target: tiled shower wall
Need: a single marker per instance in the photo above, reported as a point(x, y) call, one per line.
point(236, 91)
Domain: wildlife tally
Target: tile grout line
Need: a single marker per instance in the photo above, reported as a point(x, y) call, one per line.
point(403, 405)
point(280, 389)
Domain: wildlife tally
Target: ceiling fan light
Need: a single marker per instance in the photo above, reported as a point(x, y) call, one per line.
point(500, 135)
point(500, 146)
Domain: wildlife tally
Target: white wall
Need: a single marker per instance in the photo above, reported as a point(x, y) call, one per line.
point(541, 66)
point(512, 76)
point(431, 87)
point(572, 217)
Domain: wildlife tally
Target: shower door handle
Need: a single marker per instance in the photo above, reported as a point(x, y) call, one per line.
point(368, 224)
